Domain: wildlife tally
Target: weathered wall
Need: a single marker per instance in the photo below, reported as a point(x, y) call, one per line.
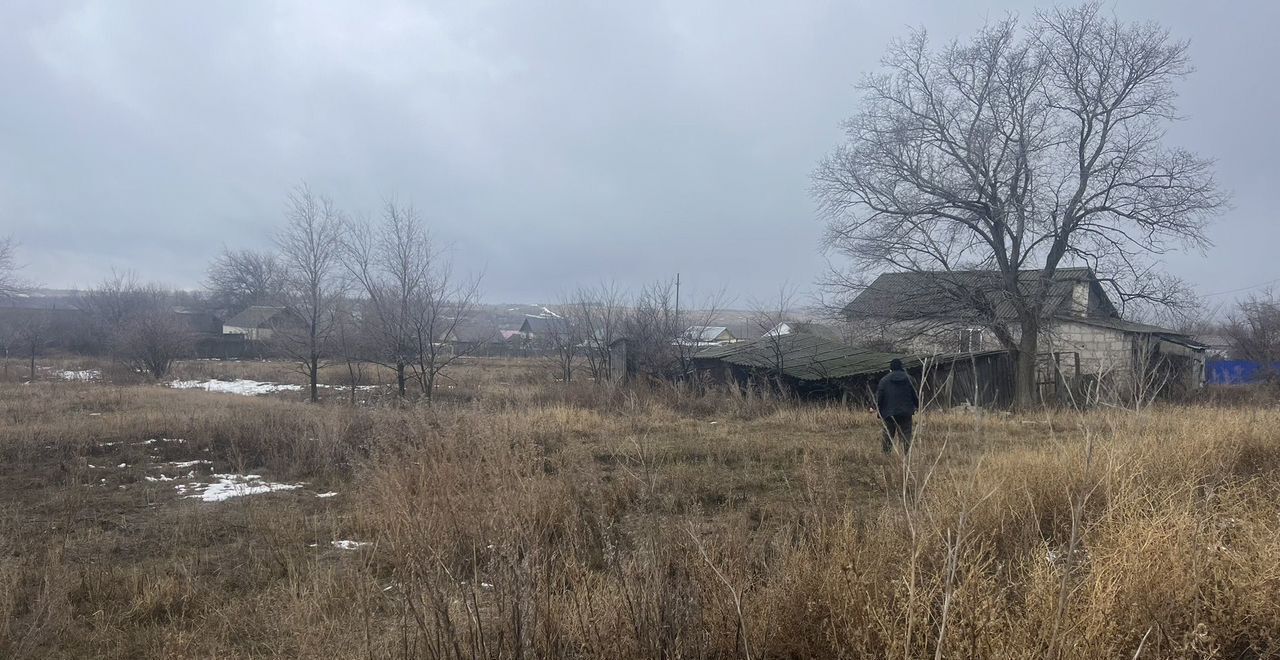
point(1102, 350)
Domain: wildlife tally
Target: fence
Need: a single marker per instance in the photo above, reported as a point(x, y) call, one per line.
point(1239, 372)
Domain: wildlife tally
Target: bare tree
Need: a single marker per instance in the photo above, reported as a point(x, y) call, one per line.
point(563, 336)
point(449, 302)
point(310, 247)
point(413, 303)
point(391, 264)
point(141, 328)
point(11, 284)
point(239, 279)
point(354, 343)
point(600, 313)
point(1254, 329)
point(653, 328)
point(769, 317)
point(1020, 150)
point(26, 333)
point(663, 333)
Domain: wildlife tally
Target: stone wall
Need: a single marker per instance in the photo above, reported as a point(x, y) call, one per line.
point(1102, 350)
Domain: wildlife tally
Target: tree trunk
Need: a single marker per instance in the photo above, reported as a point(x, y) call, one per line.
point(400, 380)
point(314, 376)
point(1024, 390)
point(33, 362)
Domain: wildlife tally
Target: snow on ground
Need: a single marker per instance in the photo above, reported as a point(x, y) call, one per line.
point(228, 486)
point(328, 494)
point(349, 545)
point(87, 374)
point(240, 386)
point(186, 464)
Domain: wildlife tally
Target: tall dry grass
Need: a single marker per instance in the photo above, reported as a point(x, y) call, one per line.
point(524, 518)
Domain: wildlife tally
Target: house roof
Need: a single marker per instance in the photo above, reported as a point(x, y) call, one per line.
point(542, 325)
point(805, 327)
point(1127, 326)
point(811, 357)
point(254, 317)
point(966, 295)
point(704, 333)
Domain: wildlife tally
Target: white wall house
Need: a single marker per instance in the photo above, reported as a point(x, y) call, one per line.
point(1082, 333)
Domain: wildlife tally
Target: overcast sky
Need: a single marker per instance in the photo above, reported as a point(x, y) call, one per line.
point(551, 143)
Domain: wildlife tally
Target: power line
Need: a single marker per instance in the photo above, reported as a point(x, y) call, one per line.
point(1243, 288)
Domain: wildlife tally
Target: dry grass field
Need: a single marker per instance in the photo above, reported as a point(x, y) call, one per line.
point(519, 517)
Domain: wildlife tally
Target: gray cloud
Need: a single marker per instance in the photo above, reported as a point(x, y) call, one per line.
point(551, 145)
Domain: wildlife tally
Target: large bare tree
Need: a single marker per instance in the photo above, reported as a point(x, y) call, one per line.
point(413, 302)
point(391, 264)
point(310, 246)
point(238, 279)
point(1023, 148)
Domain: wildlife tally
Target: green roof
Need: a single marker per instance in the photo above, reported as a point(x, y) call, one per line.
point(811, 357)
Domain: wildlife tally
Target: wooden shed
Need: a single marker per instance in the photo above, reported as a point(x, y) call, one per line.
point(815, 367)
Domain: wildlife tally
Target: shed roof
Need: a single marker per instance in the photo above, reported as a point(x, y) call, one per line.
point(1128, 326)
point(812, 357)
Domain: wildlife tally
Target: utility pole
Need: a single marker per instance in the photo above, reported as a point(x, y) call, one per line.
point(678, 300)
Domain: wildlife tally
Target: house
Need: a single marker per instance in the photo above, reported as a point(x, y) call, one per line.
point(1083, 335)
point(546, 325)
point(259, 322)
point(706, 334)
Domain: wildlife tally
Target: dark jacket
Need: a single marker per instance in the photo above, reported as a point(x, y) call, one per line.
point(896, 395)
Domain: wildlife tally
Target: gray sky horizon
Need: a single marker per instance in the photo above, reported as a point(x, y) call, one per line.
point(552, 145)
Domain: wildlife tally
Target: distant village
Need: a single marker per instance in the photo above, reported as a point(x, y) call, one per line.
point(1089, 352)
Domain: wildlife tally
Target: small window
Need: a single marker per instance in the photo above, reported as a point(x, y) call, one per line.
point(970, 340)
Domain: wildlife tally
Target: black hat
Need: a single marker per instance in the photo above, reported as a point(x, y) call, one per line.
point(895, 365)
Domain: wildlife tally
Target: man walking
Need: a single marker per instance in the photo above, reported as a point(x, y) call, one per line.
point(896, 401)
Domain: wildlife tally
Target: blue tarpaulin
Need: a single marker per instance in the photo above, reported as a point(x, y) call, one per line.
point(1237, 372)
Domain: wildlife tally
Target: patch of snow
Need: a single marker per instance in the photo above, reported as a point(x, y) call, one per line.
point(241, 386)
point(123, 465)
point(187, 464)
point(155, 440)
point(349, 545)
point(329, 494)
point(84, 375)
point(228, 486)
point(95, 414)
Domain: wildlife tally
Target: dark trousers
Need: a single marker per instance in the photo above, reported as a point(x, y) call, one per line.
point(899, 425)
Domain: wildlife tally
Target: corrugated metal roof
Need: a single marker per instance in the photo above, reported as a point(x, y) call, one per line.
point(810, 357)
point(1126, 326)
